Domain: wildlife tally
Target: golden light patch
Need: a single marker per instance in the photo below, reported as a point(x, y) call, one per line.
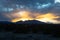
point(26, 15)
point(23, 15)
point(47, 17)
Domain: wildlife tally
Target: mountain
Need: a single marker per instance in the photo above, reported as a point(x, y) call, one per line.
point(23, 22)
point(30, 22)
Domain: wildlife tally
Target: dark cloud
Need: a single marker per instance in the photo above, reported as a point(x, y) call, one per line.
point(24, 2)
point(58, 19)
point(30, 5)
point(4, 17)
point(55, 9)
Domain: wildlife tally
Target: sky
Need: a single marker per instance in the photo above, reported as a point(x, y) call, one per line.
point(9, 7)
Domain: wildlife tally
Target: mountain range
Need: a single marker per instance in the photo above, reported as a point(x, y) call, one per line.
point(23, 22)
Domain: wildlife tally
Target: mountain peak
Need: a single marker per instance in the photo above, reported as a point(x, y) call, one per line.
point(30, 22)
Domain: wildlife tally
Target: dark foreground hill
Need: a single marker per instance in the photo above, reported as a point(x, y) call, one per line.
point(30, 27)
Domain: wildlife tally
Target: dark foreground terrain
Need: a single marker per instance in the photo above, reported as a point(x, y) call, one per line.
point(29, 30)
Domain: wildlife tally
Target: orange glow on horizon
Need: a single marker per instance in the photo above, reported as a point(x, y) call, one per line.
point(26, 15)
point(23, 15)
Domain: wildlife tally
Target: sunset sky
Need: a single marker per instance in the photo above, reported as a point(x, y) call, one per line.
point(43, 10)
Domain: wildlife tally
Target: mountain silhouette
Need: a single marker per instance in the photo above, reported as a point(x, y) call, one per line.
point(30, 22)
point(23, 22)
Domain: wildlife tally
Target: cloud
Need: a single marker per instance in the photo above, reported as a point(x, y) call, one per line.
point(47, 6)
point(4, 17)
